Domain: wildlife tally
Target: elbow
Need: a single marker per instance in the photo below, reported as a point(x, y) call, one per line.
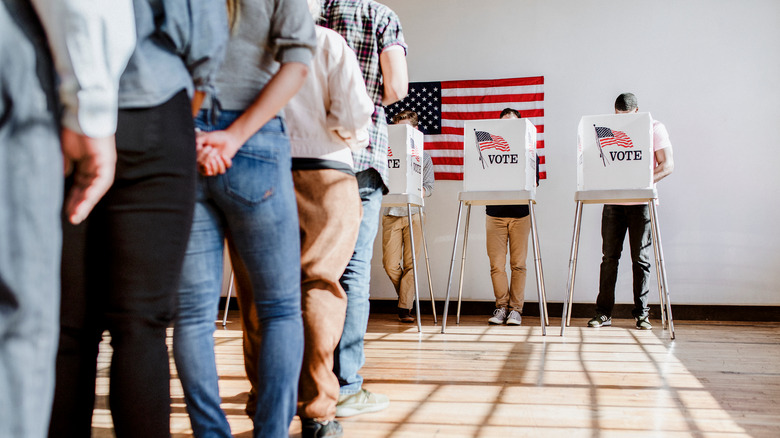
point(394, 92)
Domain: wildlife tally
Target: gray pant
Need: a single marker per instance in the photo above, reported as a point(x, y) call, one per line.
point(30, 236)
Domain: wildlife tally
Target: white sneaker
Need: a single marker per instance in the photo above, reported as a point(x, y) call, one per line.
point(514, 318)
point(499, 316)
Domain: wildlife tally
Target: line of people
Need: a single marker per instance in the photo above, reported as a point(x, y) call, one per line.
point(168, 117)
point(183, 100)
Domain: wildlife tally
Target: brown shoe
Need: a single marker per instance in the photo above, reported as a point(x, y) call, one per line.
point(405, 315)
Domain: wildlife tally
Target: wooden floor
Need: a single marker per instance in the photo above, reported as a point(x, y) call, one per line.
point(714, 380)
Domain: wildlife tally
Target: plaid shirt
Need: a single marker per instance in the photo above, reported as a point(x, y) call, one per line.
point(369, 28)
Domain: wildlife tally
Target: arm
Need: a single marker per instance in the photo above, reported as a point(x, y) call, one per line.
point(664, 164)
point(349, 114)
point(394, 75)
point(283, 86)
point(91, 44)
point(428, 177)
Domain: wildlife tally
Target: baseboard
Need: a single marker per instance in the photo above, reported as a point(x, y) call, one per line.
point(583, 310)
point(586, 310)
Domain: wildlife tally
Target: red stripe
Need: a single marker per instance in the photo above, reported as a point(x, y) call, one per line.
point(492, 98)
point(453, 130)
point(448, 145)
point(542, 175)
point(485, 83)
point(449, 176)
point(541, 159)
point(486, 115)
point(451, 161)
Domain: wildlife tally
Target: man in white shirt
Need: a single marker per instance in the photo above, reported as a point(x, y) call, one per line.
point(618, 219)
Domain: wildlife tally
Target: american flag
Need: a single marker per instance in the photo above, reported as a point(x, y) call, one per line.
point(415, 151)
point(442, 107)
point(389, 152)
point(487, 140)
point(610, 137)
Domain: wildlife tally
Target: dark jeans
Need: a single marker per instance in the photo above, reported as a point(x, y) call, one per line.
point(615, 221)
point(120, 272)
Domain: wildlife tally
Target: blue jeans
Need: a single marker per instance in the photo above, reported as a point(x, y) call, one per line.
point(253, 205)
point(30, 202)
point(349, 356)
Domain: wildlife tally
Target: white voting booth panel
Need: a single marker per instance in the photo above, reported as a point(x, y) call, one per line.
point(615, 152)
point(404, 159)
point(499, 155)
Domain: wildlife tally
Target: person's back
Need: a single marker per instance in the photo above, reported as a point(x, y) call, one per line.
point(374, 32)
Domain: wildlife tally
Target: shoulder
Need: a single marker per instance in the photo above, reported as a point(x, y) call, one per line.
point(660, 136)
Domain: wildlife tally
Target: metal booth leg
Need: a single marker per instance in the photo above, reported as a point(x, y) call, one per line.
point(428, 265)
point(538, 267)
point(569, 297)
point(227, 301)
point(463, 260)
point(414, 265)
point(452, 266)
point(657, 231)
point(658, 274)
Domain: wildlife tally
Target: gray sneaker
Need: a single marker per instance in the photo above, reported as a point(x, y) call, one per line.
point(643, 323)
point(361, 402)
point(499, 316)
point(514, 318)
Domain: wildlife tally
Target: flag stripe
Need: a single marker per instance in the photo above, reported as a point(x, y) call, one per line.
point(500, 98)
point(494, 82)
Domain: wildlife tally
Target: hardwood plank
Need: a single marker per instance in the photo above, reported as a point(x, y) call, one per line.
point(715, 380)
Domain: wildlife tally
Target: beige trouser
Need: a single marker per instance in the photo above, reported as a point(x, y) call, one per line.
point(499, 231)
point(397, 255)
point(329, 212)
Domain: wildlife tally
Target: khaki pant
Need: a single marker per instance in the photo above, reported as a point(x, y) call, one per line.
point(500, 231)
point(397, 255)
point(329, 212)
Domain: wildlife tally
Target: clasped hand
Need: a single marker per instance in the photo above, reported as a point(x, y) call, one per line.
point(215, 150)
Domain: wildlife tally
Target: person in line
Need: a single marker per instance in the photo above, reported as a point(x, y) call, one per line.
point(35, 138)
point(121, 268)
point(508, 224)
point(328, 119)
point(396, 242)
point(246, 195)
point(634, 219)
point(374, 32)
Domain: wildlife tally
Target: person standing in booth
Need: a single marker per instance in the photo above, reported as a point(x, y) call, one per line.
point(396, 242)
point(617, 219)
point(508, 224)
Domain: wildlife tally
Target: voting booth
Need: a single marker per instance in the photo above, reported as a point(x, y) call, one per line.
point(615, 162)
point(615, 151)
point(404, 159)
point(499, 155)
point(499, 168)
point(405, 176)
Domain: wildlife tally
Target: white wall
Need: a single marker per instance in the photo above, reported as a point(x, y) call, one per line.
point(706, 69)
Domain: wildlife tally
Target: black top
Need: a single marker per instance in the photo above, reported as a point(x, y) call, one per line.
point(513, 211)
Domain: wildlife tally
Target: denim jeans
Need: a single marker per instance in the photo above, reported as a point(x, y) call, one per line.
point(349, 356)
point(253, 206)
point(615, 221)
point(30, 202)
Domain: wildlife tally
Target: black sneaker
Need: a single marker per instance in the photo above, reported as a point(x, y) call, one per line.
point(312, 428)
point(643, 323)
point(405, 315)
point(600, 320)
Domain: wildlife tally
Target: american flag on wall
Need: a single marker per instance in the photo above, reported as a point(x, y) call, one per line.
point(442, 107)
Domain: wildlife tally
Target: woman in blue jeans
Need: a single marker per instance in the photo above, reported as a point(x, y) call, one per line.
point(246, 196)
